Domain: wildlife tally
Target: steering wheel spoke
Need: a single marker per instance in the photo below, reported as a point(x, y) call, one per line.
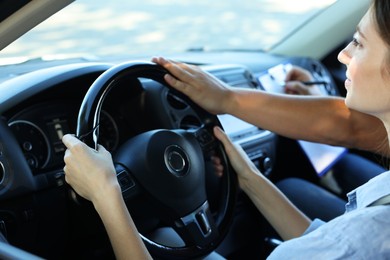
point(198, 227)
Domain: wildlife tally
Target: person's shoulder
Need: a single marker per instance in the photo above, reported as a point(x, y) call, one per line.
point(371, 191)
point(365, 231)
point(361, 234)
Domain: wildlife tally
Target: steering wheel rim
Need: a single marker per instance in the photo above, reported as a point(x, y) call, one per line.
point(87, 131)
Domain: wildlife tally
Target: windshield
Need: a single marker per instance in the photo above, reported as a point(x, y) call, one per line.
point(119, 28)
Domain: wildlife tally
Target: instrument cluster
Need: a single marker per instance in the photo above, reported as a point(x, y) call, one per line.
point(39, 130)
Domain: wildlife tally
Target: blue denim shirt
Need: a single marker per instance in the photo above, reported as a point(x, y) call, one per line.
point(363, 232)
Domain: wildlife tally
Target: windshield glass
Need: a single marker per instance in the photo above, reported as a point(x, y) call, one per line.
point(120, 28)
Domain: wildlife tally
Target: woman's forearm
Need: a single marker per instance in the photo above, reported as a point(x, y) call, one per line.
point(120, 228)
point(316, 119)
point(287, 220)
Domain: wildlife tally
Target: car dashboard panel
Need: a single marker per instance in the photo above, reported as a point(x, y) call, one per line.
point(50, 111)
point(38, 108)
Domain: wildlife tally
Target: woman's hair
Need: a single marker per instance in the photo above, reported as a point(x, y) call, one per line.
point(381, 15)
point(381, 12)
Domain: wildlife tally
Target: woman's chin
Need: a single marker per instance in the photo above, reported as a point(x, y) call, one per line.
point(349, 102)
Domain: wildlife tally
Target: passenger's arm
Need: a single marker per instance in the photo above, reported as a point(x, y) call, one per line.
point(92, 175)
point(287, 220)
point(317, 119)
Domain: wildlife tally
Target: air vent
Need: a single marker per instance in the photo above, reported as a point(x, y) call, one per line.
point(175, 101)
point(190, 122)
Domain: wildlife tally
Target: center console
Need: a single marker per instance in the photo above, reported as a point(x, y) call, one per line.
point(258, 143)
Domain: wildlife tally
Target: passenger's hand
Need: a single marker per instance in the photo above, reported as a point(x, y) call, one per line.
point(293, 83)
point(90, 173)
point(239, 160)
point(298, 74)
point(203, 88)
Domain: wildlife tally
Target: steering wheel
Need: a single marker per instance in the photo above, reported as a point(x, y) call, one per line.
point(166, 168)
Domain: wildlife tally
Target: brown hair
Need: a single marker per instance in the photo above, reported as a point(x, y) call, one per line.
point(381, 14)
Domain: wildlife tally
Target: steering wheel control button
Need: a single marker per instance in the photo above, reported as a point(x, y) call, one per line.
point(126, 183)
point(203, 222)
point(176, 160)
point(204, 138)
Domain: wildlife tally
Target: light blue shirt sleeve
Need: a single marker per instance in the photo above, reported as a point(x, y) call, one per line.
point(316, 223)
point(361, 233)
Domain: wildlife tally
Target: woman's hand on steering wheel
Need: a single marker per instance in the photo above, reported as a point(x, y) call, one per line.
point(91, 173)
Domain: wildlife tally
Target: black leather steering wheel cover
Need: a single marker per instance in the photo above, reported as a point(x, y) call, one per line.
point(102, 85)
point(88, 120)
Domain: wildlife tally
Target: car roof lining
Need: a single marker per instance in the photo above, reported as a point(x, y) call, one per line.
point(17, 21)
point(332, 19)
point(8, 7)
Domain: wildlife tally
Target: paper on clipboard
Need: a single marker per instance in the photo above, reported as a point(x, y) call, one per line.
point(322, 156)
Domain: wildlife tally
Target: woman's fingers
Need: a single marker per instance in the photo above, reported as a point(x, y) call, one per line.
point(180, 70)
point(297, 88)
point(232, 151)
point(221, 135)
point(177, 84)
point(180, 77)
point(218, 167)
point(89, 172)
point(201, 87)
point(237, 156)
point(70, 140)
point(298, 73)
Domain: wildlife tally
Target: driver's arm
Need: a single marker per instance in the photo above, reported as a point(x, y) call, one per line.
point(313, 118)
point(287, 220)
point(92, 175)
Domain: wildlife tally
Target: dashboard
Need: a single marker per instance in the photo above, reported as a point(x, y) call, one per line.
point(40, 122)
point(39, 107)
point(42, 118)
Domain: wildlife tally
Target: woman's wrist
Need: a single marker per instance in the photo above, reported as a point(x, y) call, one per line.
point(107, 197)
point(230, 102)
point(249, 179)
